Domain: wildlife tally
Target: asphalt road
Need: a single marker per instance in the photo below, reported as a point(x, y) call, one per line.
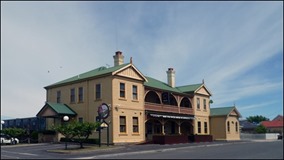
point(209, 150)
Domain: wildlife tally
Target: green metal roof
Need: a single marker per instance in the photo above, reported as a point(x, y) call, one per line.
point(93, 73)
point(154, 83)
point(151, 82)
point(189, 88)
point(61, 109)
point(222, 111)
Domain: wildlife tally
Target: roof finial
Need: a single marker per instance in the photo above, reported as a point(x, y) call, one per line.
point(234, 104)
point(202, 81)
point(131, 60)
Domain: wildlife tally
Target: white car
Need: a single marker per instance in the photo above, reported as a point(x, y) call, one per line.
point(6, 139)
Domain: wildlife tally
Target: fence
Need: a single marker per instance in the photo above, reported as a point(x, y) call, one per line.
point(268, 136)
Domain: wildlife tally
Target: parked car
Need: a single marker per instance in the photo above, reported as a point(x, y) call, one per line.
point(6, 139)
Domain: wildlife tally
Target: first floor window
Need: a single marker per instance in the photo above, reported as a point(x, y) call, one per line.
point(205, 127)
point(237, 127)
point(122, 90)
point(198, 103)
point(72, 95)
point(134, 92)
point(135, 125)
point(81, 94)
point(58, 97)
point(199, 127)
point(122, 124)
point(204, 104)
point(98, 91)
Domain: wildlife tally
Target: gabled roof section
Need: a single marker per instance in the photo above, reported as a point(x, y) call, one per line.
point(194, 88)
point(58, 108)
point(278, 118)
point(133, 67)
point(190, 88)
point(93, 73)
point(223, 111)
point(154, 83)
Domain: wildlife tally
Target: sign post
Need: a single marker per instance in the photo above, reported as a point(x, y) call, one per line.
point(107, 135)
point(103, 113)
point(100, 133)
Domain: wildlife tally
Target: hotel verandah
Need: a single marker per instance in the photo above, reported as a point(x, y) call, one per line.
point(141, 108)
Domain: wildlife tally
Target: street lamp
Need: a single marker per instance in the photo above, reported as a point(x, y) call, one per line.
point(2, 122)
point(65, 119)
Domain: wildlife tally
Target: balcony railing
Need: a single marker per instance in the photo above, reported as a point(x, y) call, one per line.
point(167, 108)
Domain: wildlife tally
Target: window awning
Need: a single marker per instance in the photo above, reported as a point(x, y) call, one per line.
point(171, 116)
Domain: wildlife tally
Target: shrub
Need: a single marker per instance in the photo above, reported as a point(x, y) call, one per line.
point(49, 132)
point(78, 140)
point(260, 129)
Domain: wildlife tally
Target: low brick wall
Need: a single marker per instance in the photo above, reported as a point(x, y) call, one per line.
point(170, 139)
point(200, 138)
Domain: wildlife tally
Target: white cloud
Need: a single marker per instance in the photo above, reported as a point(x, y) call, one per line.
point(235, 94)
point(221, 42)
point(255, 106)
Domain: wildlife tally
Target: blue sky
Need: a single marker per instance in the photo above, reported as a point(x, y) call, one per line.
point(236, 47)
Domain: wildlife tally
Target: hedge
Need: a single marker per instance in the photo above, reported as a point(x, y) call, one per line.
point(89, 140)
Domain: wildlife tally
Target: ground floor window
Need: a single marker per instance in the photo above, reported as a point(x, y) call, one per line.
point(81, 119)
point(157, 128)
point(199, 127)
point(205, 127)
point(228, 126)
point(153, 127)
point(135, 125)
point(122, 121)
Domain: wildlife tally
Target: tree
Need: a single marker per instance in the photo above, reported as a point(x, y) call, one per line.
point(257, 119)
point(84, 130)
point(14, 132)
point(75, 129)
point(260, 129)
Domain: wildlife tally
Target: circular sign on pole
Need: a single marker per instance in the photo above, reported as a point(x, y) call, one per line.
point(103, 111)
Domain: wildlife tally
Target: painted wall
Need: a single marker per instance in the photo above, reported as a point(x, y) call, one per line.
point(110, 91)
point(234, 133)
point(219, 128)
point(129, 108)
point(201, 114)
